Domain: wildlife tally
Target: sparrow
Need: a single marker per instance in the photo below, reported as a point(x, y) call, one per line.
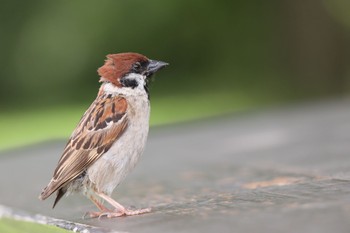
point(110, 137)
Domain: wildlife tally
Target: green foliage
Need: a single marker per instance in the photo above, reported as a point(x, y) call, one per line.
point(224, 56)
point(13, 226)
point(51, 50)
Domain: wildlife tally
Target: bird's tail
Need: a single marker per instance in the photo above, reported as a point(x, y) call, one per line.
point(51, 188)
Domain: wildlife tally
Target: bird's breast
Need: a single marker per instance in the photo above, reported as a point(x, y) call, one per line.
point(108, 171)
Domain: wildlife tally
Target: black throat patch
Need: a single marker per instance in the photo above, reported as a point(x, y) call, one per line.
point(147, 90)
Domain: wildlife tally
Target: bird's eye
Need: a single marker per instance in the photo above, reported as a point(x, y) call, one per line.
point(136, 67)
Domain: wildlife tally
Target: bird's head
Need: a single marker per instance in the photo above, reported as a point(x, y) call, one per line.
point(129, 70)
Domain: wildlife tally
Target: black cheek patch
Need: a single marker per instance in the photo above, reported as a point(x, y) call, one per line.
point(129, 83)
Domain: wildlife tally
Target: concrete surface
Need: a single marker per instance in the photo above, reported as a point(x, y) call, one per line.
point(282, 170)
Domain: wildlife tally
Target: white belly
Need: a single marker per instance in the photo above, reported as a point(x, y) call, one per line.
point(108, 171)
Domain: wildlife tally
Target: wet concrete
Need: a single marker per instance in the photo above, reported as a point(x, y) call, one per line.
point(274, 171)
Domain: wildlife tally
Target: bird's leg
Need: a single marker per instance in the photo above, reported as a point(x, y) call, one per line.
point(119, 209)
point(100, 206)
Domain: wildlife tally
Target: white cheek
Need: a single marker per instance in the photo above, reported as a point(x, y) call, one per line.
point(139, 90)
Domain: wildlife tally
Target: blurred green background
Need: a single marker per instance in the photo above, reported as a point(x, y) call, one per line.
point(225, 56)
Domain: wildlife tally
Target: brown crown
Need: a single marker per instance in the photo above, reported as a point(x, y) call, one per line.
point(117, 65)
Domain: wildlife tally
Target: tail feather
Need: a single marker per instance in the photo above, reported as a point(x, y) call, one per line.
point(60, 194)
point(50, 189)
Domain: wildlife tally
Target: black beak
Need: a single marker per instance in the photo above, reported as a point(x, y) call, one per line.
point(154, 66)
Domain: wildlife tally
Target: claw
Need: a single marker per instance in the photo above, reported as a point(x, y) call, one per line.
point(102, 215)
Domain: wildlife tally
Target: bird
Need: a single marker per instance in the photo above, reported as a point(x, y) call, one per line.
point(110, 137)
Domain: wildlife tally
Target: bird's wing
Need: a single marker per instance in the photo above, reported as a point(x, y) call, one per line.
point(100, 126)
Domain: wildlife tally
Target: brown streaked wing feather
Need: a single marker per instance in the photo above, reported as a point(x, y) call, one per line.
point(100, 126)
